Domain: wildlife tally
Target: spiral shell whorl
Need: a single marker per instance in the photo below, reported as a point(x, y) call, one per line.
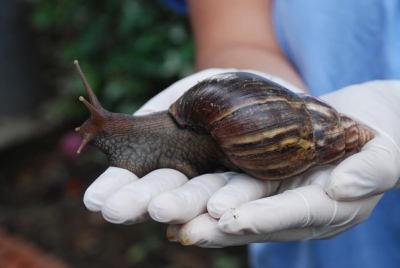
point(355, 135)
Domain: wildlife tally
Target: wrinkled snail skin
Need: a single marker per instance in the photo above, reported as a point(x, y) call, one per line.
point(142, 144)
point(233, 121)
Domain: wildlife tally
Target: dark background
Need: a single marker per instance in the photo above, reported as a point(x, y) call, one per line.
point(129, 51)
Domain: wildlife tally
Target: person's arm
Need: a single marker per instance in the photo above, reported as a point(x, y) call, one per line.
point(238, 34)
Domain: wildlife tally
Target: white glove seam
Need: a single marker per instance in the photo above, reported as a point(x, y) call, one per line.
point(350, 219)
point(308, 207)
point(334, 212)
point(392, 141)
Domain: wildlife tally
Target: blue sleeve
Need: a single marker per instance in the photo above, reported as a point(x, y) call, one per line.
point(336, 43)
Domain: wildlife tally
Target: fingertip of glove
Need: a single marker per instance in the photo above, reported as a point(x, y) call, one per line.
point(221, 202)
point(216, 209)
point(91, 202)
point(168, 207)
point(173, 232)
point(343, 186)
point(346, 189)
point(201, 231)
point(106, 184)
point(125, 206)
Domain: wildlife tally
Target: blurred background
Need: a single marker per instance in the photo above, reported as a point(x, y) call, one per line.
point(129, 50)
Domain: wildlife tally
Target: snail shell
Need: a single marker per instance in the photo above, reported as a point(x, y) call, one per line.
point(263, 128)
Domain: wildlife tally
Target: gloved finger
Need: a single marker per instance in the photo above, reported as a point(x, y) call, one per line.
point(185, 203)
point(105, 185)
point(203, 231)
point(165, 98)
point(129, 204)
point(302, 207)
point(243, 188)
point(326, 231)
point(240, 189)
point(372, 171)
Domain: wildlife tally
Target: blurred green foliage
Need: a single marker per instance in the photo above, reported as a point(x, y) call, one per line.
point(128, 49)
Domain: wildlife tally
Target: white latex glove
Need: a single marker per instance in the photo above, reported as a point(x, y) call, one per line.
point(296, 209)
point(299, 208)
point(120, 195)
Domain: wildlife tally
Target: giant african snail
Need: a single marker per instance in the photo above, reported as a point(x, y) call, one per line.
point(232, 121)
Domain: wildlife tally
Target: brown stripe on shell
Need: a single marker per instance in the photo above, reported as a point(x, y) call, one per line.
point(286, 157)
point(287, 163)
point(257, 122)
point(274, 146)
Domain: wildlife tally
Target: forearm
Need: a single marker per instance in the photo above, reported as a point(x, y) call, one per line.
point(250, 57)
point(239, 35)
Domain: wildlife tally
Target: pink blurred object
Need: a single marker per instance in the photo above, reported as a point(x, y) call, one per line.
point(69, 143)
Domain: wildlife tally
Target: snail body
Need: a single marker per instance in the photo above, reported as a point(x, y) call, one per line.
point(233, 121)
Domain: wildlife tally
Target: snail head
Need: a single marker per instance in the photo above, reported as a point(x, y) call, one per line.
point(98, 118)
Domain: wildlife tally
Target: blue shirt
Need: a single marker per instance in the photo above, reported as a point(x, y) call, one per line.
point(336, 43)
point(333, 44)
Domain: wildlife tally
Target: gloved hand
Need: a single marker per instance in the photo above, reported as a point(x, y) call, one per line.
point(300, 208)
point(295, 209)
point(118, 193)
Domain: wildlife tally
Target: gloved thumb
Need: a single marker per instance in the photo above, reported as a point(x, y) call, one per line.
point(372, 171)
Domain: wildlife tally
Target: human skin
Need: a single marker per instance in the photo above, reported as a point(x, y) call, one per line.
point(239, 35)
